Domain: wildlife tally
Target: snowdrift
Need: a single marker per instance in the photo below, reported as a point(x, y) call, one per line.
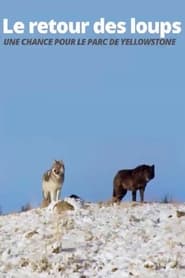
point(94, 240)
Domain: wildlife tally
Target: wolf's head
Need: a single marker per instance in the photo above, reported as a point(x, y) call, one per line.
point(144, 172)
point(148, 172)
point(58, 168)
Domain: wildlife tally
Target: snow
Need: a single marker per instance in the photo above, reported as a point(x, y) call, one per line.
point(94, 240)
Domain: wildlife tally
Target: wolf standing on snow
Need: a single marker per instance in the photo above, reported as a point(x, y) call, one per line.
point(52, 181)
point(133, 180)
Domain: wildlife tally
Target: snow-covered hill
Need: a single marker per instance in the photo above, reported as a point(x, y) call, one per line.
point(95, 240)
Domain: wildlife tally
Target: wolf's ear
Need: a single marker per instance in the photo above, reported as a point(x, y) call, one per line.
point(61, 162)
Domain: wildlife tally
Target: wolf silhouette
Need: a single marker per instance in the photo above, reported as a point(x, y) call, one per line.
point(132, 180)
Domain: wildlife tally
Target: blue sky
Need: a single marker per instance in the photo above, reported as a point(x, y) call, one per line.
point(100, 109)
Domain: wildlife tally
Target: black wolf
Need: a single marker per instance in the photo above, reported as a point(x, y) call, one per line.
point(133, 180)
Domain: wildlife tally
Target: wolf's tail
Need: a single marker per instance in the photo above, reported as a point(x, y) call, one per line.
point(113, 193)
point(115, 183)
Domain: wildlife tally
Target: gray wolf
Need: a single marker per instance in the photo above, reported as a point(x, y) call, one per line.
point(133, 180)
point(52, 181)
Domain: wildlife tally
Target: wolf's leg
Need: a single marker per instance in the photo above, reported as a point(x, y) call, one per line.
point(53, 195)
point(142, 190)
point(124, 192)
point(120, 195)
point(45, 195)
point(58, 195)
point(134, 193)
